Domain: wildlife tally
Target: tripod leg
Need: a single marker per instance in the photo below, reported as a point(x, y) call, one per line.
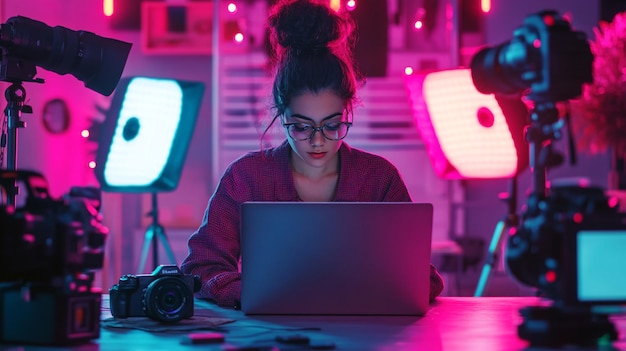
point(166, 244)
point(144, 251)
point(491, 258)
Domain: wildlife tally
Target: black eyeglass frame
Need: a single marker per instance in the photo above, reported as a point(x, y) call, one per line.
point(316, 129)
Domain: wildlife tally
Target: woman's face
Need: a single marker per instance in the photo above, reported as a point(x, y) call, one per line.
point(306, 112)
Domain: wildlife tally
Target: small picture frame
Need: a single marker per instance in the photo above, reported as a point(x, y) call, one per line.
point(56, 116)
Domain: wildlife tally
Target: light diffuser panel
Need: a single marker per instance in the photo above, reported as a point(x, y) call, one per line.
point(467, 133)
point(146, 135)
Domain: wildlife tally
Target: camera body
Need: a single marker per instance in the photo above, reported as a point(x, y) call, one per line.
point(49, 237)
point(545, 55)
point(52, 247)
point(165, 295)
point(569, 246)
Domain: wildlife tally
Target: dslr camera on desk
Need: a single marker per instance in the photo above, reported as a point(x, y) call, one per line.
point(166, 295)
point(48, 249)
point(569, 244)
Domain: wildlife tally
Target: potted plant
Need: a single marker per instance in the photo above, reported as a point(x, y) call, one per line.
point(601, 125)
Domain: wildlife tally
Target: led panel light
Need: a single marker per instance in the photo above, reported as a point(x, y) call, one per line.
point(468, 135)
point(146, 134)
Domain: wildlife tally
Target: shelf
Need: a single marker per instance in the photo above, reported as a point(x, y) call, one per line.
point(185, 29)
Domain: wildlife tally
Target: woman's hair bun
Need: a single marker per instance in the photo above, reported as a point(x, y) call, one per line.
point(305, 25)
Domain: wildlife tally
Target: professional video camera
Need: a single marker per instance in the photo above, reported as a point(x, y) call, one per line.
point(565, 245)
point(49, 247)
point(166, 295)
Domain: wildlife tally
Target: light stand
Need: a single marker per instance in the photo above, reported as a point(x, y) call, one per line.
point(15, 71)
point(15, 96)
point(509, 222)
point(148, 115)
point(155, 233)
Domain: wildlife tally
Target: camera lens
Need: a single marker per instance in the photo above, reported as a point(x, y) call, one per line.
point(168, 300)
point(507, 68)
point(95, 60)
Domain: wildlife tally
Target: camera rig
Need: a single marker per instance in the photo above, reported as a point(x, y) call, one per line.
point(51, 245)
point(549, 62)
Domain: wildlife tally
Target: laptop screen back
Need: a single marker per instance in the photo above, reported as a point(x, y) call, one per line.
point(335, 258)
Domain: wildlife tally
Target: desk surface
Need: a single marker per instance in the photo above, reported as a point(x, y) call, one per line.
point(453, 323)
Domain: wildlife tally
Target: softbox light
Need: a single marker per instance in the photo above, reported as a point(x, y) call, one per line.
point(145, 137)
point(468, 135)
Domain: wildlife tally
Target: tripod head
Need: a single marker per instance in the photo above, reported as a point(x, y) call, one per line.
point(546, 127)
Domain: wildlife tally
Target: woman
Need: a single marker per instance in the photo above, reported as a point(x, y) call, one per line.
point(314, 92)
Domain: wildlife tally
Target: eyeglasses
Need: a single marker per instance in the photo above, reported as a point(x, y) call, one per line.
point(330, 131)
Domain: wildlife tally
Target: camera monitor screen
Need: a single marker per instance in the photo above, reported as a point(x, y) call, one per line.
point(601, 258)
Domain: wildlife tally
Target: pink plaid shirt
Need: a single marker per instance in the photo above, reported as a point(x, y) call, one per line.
point(214, 250)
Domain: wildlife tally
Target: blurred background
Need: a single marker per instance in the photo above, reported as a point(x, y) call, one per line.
point(223, 46)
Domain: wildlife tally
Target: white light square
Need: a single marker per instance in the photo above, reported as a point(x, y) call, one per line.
point(466, 132)
point(147, 134)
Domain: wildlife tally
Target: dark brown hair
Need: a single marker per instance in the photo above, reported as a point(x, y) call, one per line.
point(311, 50)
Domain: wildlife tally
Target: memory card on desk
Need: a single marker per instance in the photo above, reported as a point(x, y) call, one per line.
point(203, 338)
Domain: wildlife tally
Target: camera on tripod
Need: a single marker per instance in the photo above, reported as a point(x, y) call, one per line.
point(49, 247)
point(567, 240)
point(165, 295)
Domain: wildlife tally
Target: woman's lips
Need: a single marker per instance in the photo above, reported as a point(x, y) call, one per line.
point(317, 154)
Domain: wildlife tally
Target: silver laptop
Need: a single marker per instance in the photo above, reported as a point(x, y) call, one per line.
point(335, 258)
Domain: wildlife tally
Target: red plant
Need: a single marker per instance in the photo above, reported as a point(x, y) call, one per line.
point(602, 124)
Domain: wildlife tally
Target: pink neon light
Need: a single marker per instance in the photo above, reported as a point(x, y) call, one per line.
point(466, 133)
point(485, 6)
point(108, 7)
point(550, 276)
point(578, 217)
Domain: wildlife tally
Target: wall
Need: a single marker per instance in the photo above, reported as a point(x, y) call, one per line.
point(505, 16)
